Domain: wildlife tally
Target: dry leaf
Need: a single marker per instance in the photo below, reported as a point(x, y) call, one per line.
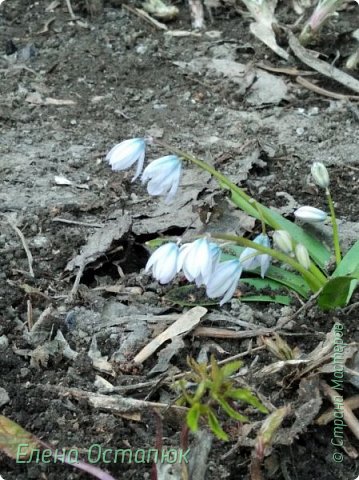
point(184, 324)
point(12, 435)
point(100, 242)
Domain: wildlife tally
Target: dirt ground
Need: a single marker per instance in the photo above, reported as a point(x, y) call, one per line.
point(69, 91)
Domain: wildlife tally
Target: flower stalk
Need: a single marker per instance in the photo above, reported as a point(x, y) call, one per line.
point(315, 282)
point(338, 255)
point(252, 206)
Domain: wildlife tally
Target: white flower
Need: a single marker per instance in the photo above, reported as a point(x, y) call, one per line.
point(164, 175)
point(224, 280)
point(320, 174)
point(125, 154)
point(251, 258)
point(302, 255)
point(310, 214)
point(283, 241)
point(198, 260)
point(163, 262)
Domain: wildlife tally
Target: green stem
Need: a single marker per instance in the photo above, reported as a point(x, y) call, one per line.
point(314, 283)
point(318, 273)
point(338, 256)
point(222, 179)
point(261, 216)
point(253, 207)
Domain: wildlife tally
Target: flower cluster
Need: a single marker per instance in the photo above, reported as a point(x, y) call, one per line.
point(163, 175)
point(199, 261)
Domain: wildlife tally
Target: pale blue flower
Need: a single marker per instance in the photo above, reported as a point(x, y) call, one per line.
point(125, 154)
point(163, 176)
point(198, 260)
point(224, 280)
point(251, 258)
point(163, 262)
point(310, 214)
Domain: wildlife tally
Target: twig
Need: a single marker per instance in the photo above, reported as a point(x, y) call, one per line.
point(76, 284)
point(69, 8)
point(348, 415)
point(226, 333)
point(167, 380)
point(328, 416)
point(324, 68)
point(314, 88)
point(24, 244)
point(304, 307)
point(223, 362)
point(113, 403)
point(145, 16)
point(29, 314)
point(351, 307)
point(291, 71)
point(74, 222)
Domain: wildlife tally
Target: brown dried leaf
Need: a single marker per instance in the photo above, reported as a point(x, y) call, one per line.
point(183, 325)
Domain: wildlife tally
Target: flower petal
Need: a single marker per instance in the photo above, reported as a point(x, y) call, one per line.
point(140, 163)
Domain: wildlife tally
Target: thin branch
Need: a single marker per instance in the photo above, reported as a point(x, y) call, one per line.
point(24, 244)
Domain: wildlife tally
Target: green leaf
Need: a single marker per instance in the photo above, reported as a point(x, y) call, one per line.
point(216, 374)
point(319, 253)
point(244, 205)
point(350, 263)
point(231, 412)
point(200, 391)
point(289, 279)
point(230, 368)
point(262, 283)
point(337, 292)
point(215, 426)
point(349, 266)
point(190, 295)
point(246, 396)
point(279, 299)
point(193, 415)
point(157, 242)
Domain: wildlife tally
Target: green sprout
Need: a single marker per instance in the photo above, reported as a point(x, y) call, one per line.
point(214, 390)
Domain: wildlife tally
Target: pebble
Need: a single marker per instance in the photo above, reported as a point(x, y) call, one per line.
point(300, 131)
point(4, 343)
point(4, 397)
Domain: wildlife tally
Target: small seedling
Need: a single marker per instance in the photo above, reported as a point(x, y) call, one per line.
point(210, 389)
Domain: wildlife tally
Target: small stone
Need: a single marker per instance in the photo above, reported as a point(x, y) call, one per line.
point(4, 397)
point(4, 343)
point(24, 372)
point(40, 241)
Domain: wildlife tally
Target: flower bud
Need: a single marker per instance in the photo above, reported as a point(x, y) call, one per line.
point(320, 174)
point(283, 241)
point(302, 255)
point(310, 214)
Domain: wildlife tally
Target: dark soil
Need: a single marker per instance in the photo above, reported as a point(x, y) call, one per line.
point(120, 73)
